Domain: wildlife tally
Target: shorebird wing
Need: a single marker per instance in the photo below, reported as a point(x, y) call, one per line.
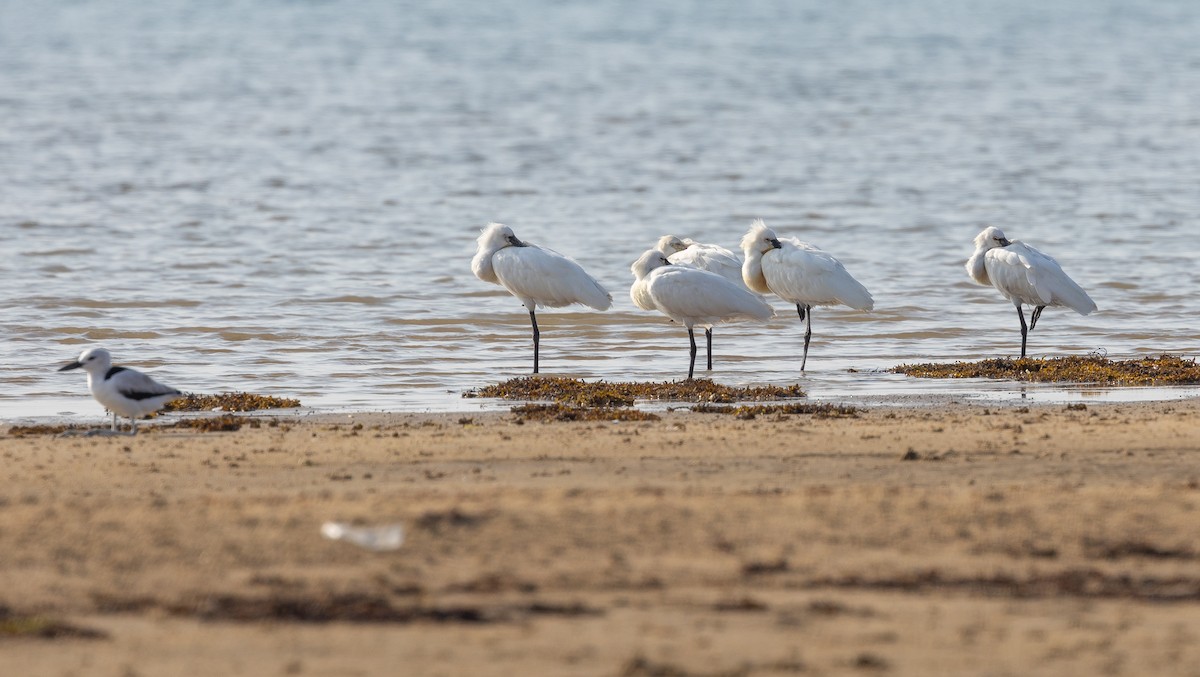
point(137, 386)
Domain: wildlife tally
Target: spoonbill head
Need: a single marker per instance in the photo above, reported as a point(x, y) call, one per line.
point(691, 296)
point(538, 277)
point(671, 244)
point(799, 273)
point(1024, 276)
point(121, 390)
point(638, 293)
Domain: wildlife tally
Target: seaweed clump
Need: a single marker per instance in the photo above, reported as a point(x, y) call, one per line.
point(40, 627)
point(215, 424)
point(35, 430)
point(623, 394)
point(749, 411)
point(1161, 370)
point(567, 412)
point(231, 401)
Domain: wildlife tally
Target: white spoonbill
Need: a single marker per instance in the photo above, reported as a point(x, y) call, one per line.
point(691, 296)
point(799, 273)
point(537, 276)
point(123, 391)
point(711, 257)
point(1024, 275)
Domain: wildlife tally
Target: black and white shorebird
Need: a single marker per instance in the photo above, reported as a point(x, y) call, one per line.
point(121, 390)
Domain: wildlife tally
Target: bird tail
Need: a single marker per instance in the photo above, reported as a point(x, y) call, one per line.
point(855, 295)
point(594, 296)
point(1071, 295)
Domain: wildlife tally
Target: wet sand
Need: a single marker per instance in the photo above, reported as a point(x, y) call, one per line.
point(956, 539)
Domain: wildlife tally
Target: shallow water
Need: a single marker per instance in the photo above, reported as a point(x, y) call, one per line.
point(282, 197)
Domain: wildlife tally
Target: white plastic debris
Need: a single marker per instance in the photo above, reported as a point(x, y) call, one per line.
point(376, 539)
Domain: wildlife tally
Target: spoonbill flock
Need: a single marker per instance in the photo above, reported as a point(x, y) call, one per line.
point(697, 284)
point(692, 283)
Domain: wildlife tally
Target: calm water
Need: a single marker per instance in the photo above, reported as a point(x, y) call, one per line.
point(282, 197)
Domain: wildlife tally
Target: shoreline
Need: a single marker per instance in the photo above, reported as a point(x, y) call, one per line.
point(1017, 395)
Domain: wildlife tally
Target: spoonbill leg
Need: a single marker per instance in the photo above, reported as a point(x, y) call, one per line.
point(692, 362)
point(536, 336)
point(806, 315)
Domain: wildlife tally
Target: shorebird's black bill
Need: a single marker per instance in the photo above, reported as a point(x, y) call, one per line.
point(74, 365)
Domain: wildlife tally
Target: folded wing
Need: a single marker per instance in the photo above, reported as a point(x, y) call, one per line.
point(801, 273)
point(547, 278)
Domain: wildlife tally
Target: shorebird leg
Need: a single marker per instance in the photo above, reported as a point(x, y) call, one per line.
point(708, 339)
point(536, 337)
point(1037, 312)
point(692, 364)
point(1024, 330)
point(806, 315)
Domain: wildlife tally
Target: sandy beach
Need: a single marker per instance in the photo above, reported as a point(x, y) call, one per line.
point(957, 539)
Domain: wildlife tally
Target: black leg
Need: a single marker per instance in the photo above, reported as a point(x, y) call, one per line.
point(1037, 312)
point(800, 310)
point(692, 364)
point(806, 313)
point(1024, 330)
point(536, 336)
point(708, 339)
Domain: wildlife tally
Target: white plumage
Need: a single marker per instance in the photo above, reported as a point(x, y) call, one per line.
point(537, 276)
point(691, 296)
point(799, 273)
point(711, 257)
point(123, 391)
point(1024, 275)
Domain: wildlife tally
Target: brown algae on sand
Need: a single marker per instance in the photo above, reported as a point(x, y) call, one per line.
point(217, 424)
point(231, 401)
point(42, 429)
point(40, 627)
point(577, 400)
point(1144, 371)
point(623, 394)
point(567, 412)
point(202, 424)
point(749, 411)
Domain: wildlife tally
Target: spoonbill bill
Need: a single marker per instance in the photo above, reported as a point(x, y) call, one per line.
point(799, 273)
point(1026, 276)
point(691, 296)
point(538, 277)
